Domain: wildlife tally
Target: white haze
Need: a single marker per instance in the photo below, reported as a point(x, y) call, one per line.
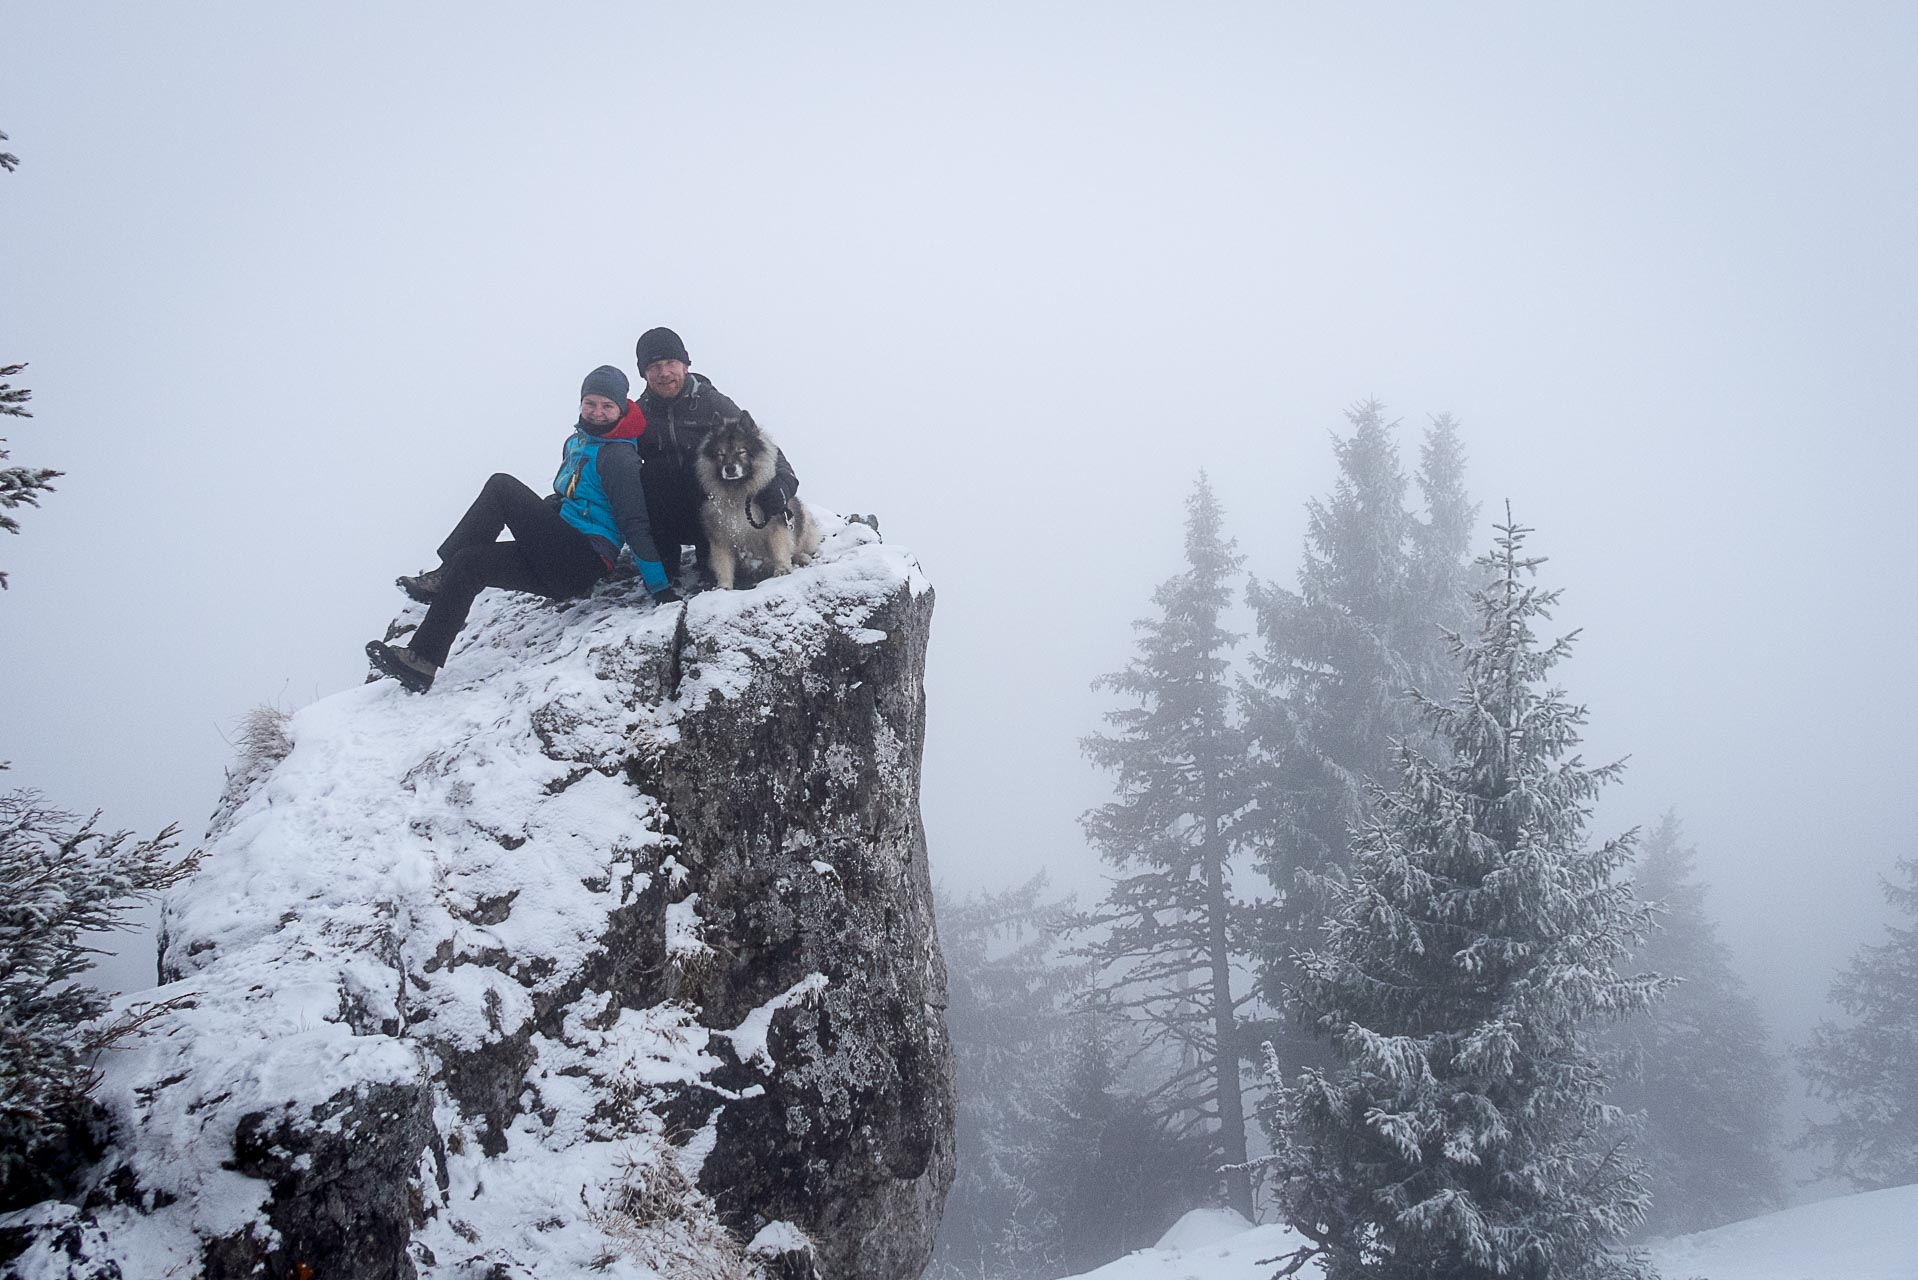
point(294, 280)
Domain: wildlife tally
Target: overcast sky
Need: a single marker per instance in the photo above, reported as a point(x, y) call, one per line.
point(293, 280)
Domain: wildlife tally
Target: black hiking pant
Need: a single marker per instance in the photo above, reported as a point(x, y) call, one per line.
point(673, 499)
point(547, 557)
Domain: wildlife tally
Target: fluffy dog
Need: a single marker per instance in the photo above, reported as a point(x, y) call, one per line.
point(735, 462)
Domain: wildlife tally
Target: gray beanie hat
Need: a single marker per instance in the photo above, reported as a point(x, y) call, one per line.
point(606, 381)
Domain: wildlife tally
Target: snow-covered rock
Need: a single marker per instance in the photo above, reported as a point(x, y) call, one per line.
point(538, 972)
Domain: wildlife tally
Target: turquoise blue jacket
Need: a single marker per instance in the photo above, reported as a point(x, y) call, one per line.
point(600, 495)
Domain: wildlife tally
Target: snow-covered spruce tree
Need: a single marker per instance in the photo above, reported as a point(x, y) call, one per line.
point(1378, 588)
point(61, 879)
point(1867, 1067)
point(1164, 941)
point(1699, 1070)
point(1328, 699)
point(1464, 1131)
point(1119, 1177)
point(1441, 561)
point(1060, 1170)
point(1013, 1043)
point(19, 486)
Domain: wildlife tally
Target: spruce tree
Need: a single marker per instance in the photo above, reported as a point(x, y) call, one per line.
point(1441, 557)
point(19, 486)
point(1864, 1067)
point(1378, 588)
point(1331, 677)
point(61, 880)
point(1463, 1130)
point(1698, 1071)
point(1165, 939)
point(1121, 1179)
point(1012, 1038)
point(1060, 1168)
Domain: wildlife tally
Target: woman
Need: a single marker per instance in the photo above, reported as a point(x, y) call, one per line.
point(561, 545)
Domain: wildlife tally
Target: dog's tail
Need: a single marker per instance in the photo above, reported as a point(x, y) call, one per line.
point(806, 532)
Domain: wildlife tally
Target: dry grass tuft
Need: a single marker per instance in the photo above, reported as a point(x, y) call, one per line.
point(668, 1223)
point(263, 740)
point(260, 743)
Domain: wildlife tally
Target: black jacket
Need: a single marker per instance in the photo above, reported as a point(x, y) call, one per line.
point(676, 428)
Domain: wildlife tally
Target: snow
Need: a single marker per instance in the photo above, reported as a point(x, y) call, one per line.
point(1201, 1227)
point(776, 1238)
point(1870, 1236)
point(414, 873)
point(749, 1039)
point(1239, 1255)
point(685, 930)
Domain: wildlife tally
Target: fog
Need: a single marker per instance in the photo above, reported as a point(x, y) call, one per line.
point(293, 282)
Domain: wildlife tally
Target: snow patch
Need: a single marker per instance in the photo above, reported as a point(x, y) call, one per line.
point(692, 1156)
point(778, 1237)
point(685, 932)
point(749, 1037)
point(1201, 1227)
point(1246, 1255)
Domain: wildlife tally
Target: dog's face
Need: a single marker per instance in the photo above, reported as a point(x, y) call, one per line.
point(734, 449)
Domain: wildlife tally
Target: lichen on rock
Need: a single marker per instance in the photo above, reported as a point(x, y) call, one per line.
point(462, 963)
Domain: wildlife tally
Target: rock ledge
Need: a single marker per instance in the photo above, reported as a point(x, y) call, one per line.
point(622, 932)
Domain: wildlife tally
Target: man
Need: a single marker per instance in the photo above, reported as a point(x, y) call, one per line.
point(561, 544)
point(681, 408)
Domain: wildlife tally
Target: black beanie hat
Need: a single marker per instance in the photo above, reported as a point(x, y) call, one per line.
point(606, 381)
point(659, 344)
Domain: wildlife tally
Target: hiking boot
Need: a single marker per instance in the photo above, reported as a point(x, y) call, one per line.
point(421, 586)
point(414, 673)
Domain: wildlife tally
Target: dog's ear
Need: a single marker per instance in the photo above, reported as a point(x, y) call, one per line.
point(747, 424)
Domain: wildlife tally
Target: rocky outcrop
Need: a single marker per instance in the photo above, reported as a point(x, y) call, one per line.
point(613, 955)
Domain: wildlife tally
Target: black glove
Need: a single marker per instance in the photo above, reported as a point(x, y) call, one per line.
point(773, 499)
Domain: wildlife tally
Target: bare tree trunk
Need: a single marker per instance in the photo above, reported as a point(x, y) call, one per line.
point(1238, 1182)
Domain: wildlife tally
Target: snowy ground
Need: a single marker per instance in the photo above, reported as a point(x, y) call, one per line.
point(1208, 1244)
point(1872, 1236)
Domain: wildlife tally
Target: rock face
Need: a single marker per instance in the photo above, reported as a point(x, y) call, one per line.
point(608, 956)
